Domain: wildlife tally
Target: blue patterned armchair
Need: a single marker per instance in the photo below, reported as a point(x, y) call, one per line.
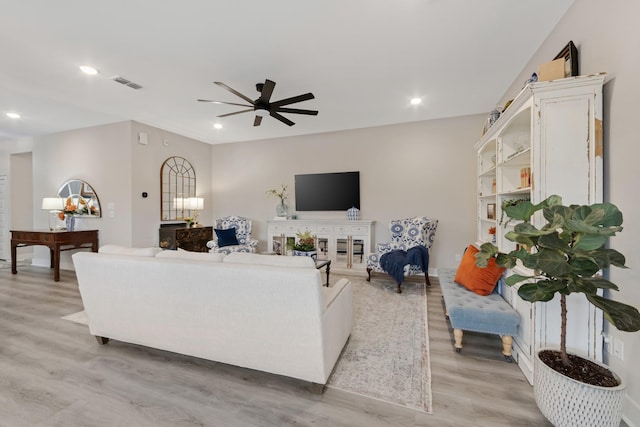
point(242, 228)
point(405, 234)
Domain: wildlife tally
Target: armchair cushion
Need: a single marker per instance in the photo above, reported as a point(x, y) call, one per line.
point(226, 237)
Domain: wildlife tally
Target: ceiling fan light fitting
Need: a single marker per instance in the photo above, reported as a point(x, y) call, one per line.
point(261, 112)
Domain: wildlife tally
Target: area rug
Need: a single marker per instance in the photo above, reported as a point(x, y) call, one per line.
point(79, 317)
point(387, 356)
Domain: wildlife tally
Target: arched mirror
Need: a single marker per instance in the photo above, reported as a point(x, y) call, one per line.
point(178, 184)
point(81, 195)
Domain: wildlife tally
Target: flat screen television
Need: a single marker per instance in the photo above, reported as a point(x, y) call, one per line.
point(337, 191)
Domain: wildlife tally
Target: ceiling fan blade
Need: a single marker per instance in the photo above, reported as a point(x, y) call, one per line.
point(293, 100)
point(257, 121)
point(267, 90)
point(235, 92)
point(225, 103)
point(283, 119)
point(297, 111)
point(236, 112)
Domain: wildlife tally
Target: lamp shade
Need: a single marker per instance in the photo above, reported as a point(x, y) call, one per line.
point(194, 203)
point(52, 203)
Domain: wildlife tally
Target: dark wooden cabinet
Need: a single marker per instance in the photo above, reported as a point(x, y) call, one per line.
point(190, 239)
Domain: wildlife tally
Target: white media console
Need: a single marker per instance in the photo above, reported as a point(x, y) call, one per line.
point(346, 243)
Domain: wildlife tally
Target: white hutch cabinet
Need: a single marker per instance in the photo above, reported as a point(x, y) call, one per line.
point(346, 243)
point(548, 141)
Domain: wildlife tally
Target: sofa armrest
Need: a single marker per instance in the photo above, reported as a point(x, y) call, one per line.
point(332, 292)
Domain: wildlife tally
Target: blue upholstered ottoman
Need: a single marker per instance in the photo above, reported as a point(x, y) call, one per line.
point(468, 311)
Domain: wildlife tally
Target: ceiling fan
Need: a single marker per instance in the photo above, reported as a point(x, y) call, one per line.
point(262, 106)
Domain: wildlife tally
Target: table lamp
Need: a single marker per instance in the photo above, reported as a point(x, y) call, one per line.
point(54, 205)
point(195, 204)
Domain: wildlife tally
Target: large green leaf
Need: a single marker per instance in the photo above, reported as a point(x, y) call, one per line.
point(583, 227)
point(518, 238)
point(612, 216)
point(599, 282)
point(550, 212)
point(516, 278)
point(530, 261)
point(521, 211)
point(584, 267)
point(553, 200)
point(622, 316)
point(582, 286)
point(588, 215)
point(552, 262)
point(604, 257)
point(553, 241)
point(615, 258)
point(533, 292)
point(506, 261)
point(527, 230)
point(588, 242)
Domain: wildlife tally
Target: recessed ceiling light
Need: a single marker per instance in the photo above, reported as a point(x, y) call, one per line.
point(89, 70)
point(416, 101)
point(13, 115)
point(217, 126)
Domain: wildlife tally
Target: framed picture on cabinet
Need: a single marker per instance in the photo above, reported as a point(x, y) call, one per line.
point(491, 211)
point(570, 55)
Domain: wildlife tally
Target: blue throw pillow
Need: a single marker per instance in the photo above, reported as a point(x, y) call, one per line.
point(226, 237)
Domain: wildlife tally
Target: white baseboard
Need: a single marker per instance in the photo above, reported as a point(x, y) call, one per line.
point(631, 411)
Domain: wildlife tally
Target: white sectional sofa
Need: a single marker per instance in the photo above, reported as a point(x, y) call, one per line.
point(269, 313)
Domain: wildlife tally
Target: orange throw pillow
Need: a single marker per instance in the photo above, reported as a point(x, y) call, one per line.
point(481, 281)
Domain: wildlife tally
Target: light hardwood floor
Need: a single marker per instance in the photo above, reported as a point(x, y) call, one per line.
point(53, 373)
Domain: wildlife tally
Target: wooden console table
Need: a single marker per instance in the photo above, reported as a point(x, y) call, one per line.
point(56, 241)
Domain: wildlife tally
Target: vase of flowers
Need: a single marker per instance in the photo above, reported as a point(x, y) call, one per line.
point(68, 214)
point(281, 208)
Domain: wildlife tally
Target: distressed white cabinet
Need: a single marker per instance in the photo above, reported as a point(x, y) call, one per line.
point(346, 243)
point(548, 141)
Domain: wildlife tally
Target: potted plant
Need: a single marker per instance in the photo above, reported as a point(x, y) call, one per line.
point(305, 245)
point(565, 256)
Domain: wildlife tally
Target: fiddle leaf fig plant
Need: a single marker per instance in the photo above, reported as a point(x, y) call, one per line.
point(565, 255)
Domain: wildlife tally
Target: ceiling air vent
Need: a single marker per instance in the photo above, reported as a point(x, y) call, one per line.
point(123, 81)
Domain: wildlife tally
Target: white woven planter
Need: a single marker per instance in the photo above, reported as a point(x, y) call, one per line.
point(566, 402)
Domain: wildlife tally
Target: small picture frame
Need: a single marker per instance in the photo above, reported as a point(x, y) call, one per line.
point(491, 211)
point(570, 55)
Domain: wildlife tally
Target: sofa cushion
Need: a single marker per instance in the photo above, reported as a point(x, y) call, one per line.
point(125, 250)
point(226, 237)
point(481, 281)
point(275, 260)
point(198, 256)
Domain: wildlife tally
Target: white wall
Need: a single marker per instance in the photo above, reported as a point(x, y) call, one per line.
point(119, 169)
point(20, 199)
point(99, 155)
point(421, 168)
point(607, 37)
point(146, 164)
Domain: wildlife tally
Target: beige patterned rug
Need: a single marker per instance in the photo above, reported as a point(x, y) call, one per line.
point(387, 356)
